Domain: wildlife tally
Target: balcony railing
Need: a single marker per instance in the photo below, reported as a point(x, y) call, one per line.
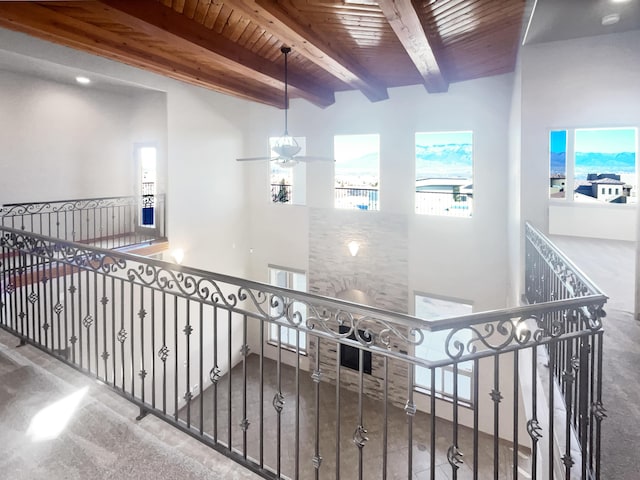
point(450, 204)
point(189, 346)
point(281, 193)
point(109, 222)
point(357, 198)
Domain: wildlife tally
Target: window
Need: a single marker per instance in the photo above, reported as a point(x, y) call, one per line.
point(557, 163)
point(146, 158)
point(357, 168)
point(288, 184)
point(444, 173)
point(600, 164)
point(433, 348)
point(294, 280)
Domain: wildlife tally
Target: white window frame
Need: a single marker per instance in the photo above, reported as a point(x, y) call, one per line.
point(444, 375)
point(298, 176)
point(357, 201)
point(459, 200)
point(288, 335)
point(570, 164)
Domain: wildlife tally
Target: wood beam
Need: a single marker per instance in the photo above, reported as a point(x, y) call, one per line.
point(403, 18)
point(276, 19)
point(179, 30)
point(46, 23)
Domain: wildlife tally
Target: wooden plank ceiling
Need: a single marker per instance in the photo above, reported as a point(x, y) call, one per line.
point(233, 46)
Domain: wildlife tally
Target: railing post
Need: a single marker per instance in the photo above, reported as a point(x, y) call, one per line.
point(583, 421)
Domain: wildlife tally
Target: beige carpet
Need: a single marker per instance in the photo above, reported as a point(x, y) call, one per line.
point(611, 265)
point(55, 423)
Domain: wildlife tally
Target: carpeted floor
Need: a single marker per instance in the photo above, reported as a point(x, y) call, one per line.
point(611, 265)
point(58, 424)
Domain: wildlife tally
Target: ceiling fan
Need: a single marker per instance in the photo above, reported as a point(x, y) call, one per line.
point(286, 146)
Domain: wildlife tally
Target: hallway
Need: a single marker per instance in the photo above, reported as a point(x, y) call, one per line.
point(611, 265)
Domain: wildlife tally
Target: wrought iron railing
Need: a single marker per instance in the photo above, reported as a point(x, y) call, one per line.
point(357, 198)
point(109, 222)
point(189, 347)
point(450, 204)
point(281, 193)
point(575, 364)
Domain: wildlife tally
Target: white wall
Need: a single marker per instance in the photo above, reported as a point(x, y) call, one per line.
point(586, 82)
point(62, 141)
point(515, 225)
point(206, 208)
point(447, 256)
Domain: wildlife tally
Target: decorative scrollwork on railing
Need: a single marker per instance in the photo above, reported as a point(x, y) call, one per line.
point(493, 336)
point(534, 430)
point(454, 457)
point(21, 209)
point(366, 329)
point(51, 250)
point(577, 286)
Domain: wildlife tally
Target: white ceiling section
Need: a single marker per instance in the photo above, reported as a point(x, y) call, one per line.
point(555, 20)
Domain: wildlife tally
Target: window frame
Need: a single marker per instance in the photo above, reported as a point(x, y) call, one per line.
point(463, 370)
point(285, 331)
point(297, 189)
point(372, 193)
point(458, 196)
point(570, 176)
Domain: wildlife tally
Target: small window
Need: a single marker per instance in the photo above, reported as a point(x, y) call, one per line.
point(557, 163)
point(357, 171)
point(444, 173)
point(294, 280)
point(147, 160)
point(288, 183)
point(434, 348)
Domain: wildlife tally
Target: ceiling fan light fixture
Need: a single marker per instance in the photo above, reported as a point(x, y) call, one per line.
point(286, 162)
point(286, 146)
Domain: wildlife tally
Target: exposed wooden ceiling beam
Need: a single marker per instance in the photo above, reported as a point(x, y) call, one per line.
point(177, 29)
point(403, 18)
point(283, 25)
point(45, 23)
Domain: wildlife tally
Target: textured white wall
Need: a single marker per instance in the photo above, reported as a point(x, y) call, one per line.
point(586, 82)
point(453, 257)
point(62, 141)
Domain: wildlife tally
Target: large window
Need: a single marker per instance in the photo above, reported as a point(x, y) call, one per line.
point(599, 164)
point(357, 171)
point(434, 348)
point(288, 184)
point(294, 280)
point(444, 173)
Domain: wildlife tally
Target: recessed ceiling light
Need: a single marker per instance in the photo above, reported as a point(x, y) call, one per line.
point(83, 80)
point(610, 19)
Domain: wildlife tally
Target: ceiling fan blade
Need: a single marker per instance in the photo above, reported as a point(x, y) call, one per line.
point(311, 158)
point(251, 159)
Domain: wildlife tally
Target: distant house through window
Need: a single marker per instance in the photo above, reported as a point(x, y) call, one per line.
point(444, 173)
point(434, 348)
point(357, 171)
point(288, 184)
point(288, 337)
point(600, 164)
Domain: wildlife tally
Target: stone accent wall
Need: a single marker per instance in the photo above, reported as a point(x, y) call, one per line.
point(379, 273)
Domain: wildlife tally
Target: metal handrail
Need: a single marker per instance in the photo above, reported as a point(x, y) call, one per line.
point(112, 221)
point(64, 296)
